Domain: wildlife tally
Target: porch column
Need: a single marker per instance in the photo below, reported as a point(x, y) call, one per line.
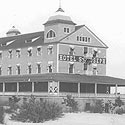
point(3, 87)
point(17, 87)
point(78, 89)
point(95, 89)
point(116, 88)
point(32, 87)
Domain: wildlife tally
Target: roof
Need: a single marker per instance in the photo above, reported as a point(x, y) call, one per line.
point(36, 38)
point(51, 22)
point(13, 30)
point(21, 41)
point(64, 77)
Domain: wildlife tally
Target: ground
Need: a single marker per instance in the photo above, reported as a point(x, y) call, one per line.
point(82, 119)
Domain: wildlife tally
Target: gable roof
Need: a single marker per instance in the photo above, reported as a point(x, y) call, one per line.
point(19, 41)
point(79, 27)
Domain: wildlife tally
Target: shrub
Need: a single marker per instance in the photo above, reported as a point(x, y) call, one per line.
point(37, 111)
point(118, 102)
point(97, 107)
point(118, 110)
point(13, 104)
point(70, 102)
point(1, 114)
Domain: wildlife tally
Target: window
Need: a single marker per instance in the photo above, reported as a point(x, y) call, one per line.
point(66, 30)
point(9, 70)
point(0, 70)
point(0, 54)
point(85, 66)
point(29, 51)
point(39, 50)
point(28, 41)
point(18, 53)
point(95, 52)
point(50, 66)
point(50, 49)
point(29, 69)
point(18, 69)
point(84, 39)
point(11, 87)
point(94, 70)
point(10, 53)
point(77, 38)
point(85, 50)
point(71, 51)
point(38, 67)
point(71, 68)
point(51, 34)
point(25, 86)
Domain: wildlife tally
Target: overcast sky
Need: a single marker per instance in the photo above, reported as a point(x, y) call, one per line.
point(106, 18)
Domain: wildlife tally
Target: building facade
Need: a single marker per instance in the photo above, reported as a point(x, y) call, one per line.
point(63, 59)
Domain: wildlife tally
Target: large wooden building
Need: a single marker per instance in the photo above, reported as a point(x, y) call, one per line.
point(63, 59)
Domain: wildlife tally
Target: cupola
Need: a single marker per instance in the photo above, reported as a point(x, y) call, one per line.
point(58, 26)
point(13, 32)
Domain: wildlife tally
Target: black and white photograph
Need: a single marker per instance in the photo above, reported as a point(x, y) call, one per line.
point(62, 62)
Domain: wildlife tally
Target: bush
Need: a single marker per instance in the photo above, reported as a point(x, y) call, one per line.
point(118, 110)
point(37, 111)
point(1, 114)
point(70, 103)
point(13, 104)
point(118, 102)
point(97, 107)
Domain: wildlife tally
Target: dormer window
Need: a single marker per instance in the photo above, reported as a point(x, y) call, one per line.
point(66, 30)
point(51, 34)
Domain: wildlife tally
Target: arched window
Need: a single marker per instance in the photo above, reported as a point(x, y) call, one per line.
point(51, 34)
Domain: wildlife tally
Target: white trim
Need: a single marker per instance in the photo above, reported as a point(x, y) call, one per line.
point(29, 64)
point(17, 64)
point(39, 46)
point(50, 46)
point(30, 48)
point(72, 46)
point(50, 62)
point(38, 62)
point(95, 36)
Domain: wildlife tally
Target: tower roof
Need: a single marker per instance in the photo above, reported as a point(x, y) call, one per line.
point(59, 17)
point(13, 30)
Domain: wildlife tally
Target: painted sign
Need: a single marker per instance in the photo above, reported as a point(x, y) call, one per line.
point(81, 59)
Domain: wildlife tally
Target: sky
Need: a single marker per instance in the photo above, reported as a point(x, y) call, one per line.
point(105, 18)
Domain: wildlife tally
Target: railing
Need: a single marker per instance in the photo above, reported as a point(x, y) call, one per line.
point(64, 94)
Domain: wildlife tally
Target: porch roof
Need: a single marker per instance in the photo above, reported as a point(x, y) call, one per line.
point(63, 77)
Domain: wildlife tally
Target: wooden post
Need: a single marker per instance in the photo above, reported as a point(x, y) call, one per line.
point(116, 88)
point(32, 87)
point(17, 88)
point(78, 89)
point(3, 87)
point(95, 89)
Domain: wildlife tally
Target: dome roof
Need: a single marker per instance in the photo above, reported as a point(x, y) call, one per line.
point(13, 30)
point(59, 16)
